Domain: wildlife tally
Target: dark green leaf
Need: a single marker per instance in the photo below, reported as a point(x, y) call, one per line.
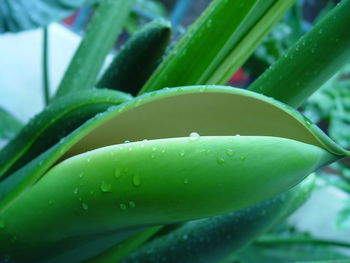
point(287, 253)
point(9, 125)
point(21, 15)
point(137, 59)
point(207, 54)
point(55, 122)
point(311, 61)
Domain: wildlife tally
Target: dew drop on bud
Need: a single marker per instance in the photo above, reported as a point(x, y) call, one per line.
point(117, 173)
point(220, 160)
point(194, 136)
point(85, 206)
point(105, 187)
point(136, 180)
point(229, 152)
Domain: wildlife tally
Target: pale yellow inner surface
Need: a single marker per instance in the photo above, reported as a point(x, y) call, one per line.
point(209, 114)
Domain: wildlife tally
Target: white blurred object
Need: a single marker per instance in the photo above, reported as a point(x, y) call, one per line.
point(318, 215)
point(21, 67)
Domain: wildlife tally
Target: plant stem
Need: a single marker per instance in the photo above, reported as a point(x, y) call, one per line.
point(45, 65)
point(272, 240)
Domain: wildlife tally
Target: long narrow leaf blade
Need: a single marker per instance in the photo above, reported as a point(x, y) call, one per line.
point(99, 38)
point(311, 61)
point(206, 47)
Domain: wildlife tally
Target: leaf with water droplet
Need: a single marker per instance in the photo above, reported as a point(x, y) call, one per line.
point(105, 187)
point(136, 180)
point(194, 136)
point(85, 206)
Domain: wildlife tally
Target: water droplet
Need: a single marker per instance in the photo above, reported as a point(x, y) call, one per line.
point(136, 180)
point(237, 135)
point(126, 141)
point(186, 181)
point(307, 122)
point(202, 89)
point(220, 160)
point(105, 187)
point(132, 204)
point(81, 175)
point(180, 90)
point(88, 160)
point(182, 153)
point(154, 149)
point(242, 158)
point(117, 173)
point(230, 152)
point(209, 23)
point(194, 136)
point(122, 206)
point(76, 191)
point(184, 237)
point(85, 206)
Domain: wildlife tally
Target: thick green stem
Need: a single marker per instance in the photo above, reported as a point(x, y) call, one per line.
point(45, 65)
point(99, 38)
point(311, 61)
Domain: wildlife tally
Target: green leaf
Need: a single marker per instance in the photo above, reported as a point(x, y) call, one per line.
point(55, 122)
point(122, 249)
point(311, 61)
point(28, 14)
point(326, 261)
point(163, 180)
point(206, 54)
point(287, 253)
point(9, 125)
point(137, 59)
point(99, 38)
point(224, 234)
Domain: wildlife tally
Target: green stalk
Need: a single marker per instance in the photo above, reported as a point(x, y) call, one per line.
point(311, 61)
point(99, 38)
point(209, 54)
point(46, 82)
